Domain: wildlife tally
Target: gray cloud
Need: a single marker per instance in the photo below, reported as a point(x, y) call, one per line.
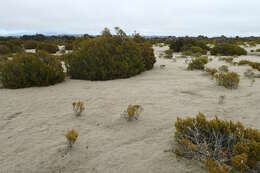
point(149, 17)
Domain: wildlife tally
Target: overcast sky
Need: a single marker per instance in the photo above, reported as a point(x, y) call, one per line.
point(148, 17)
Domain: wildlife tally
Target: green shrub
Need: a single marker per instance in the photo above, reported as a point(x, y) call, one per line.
point(257, 50)
point(254, 65)
point(211, 71)
point(109, 57)
point(227, 59)
point(198, 63)
point(30, 44)
point(229, 80)
point(68, 46)
point(26, 70)
point(168, 54)
point(227, 49)
point(4, 50)
point(48, 47)
point(185, 44)
point(218, 142)
point(223, 68)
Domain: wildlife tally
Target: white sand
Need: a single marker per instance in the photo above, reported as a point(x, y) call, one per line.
point(33, 121)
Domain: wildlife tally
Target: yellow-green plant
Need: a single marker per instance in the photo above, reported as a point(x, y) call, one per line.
point(78, 107)
point(229, 80)
point(218, 142)
point(211, 71)
point(133, 112)
point(71, 136)
point(198, 63)
point(223, 68)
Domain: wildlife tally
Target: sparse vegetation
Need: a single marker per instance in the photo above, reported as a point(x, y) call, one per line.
point(198, 63)
point(222, 145)
point(211, 71)
point(133, 112)
point(223, 68)
point(226, 49)
point(30, 44)
point(78, 107)
point(229, 80)
point(4, 50)
point(71, 137)
point(27, 70)
point(227, 59)
point(254, 65)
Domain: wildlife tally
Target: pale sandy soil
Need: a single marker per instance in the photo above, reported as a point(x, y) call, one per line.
point(33, 121)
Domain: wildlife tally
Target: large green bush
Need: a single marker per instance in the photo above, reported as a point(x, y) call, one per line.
point(109, 57)
point(48, 47)
point(188, 44)
point(26, 70)
point(227, 49)
point(30, 44)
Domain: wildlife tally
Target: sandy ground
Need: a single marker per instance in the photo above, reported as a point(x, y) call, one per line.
point(33, 121)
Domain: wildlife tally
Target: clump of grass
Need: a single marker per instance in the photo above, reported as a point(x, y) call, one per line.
point(211, 71)
point(133, 112)
point(229, 80)
point(78, 107)
point(71, 136)
point(254, 65)
point(168, 54)
point(223, 145)
point(198, 63)
point(223, 68)
point(227, 59)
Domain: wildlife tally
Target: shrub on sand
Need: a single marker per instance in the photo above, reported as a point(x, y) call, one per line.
point(133, 112)
point(229, 80)
point(78, 107)
point(221, 144)
point(71, 137)
point(198, 63)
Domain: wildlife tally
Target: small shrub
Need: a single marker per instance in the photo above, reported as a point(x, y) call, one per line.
point(227, 49)
point(71, 137)
point(133, 112)
point(27, 70)
point(198, 63)
point(229, 80)
point(223, 68)
point(78, 107)
point(227, 59)
point(68, 46)
point(48, 47)
point(4, 50)
point(168, 54)
point(30, 44)
point(220, 143)
point(257, 50)
point(254, 65)
point(211, 71)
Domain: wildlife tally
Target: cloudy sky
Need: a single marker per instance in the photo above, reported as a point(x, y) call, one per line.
point(148, 17)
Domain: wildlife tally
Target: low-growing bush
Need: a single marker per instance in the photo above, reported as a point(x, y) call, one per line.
point(48, 47)
point(223, 68)
point(26, 70)
point(71, 137)
point(227, 49)
point(229, 80)
point(211, 71)
point(109, 57)
point(198, 63)
point(227, 59)
point(30, 44)
point(188, 44)
point(254, 65)
point(4, 50)
point(223, 145)
point(78, 107)
point(257, 50)
point(133, 112)
point(168, 54)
